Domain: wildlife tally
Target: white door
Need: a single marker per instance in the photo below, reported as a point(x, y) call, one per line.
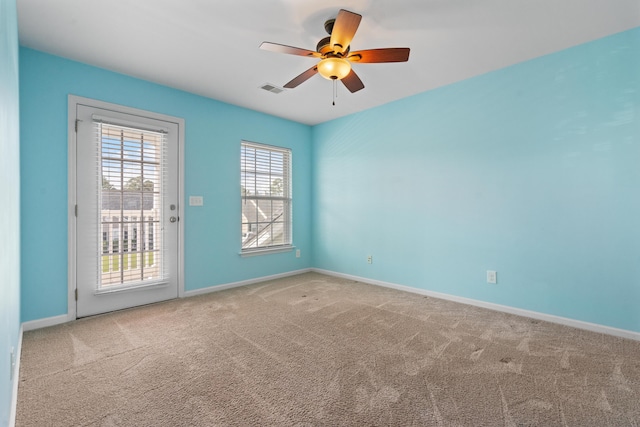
point(127, 210)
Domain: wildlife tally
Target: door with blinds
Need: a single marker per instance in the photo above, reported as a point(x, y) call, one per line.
point(126, 211)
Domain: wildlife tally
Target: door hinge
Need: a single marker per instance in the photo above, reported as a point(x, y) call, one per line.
point(76, 294)
point(76, 211)
point(77, 125)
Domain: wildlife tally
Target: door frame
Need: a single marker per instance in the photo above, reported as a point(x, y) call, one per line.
point(73, 101)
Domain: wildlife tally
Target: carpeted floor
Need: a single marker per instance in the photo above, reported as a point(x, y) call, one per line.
point(314, 350)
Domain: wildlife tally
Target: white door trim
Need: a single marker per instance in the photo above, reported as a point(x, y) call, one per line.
point(73, 101)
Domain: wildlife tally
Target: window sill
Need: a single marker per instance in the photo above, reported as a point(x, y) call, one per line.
point(265, 251)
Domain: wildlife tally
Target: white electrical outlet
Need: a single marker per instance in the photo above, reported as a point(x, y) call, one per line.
point(370, 259)
point(492, 276)
point(12, 360)
point(297, 253)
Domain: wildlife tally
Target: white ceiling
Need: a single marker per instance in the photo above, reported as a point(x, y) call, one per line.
point(210, 47)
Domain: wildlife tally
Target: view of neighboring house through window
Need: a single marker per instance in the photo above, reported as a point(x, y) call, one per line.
point(266, 196)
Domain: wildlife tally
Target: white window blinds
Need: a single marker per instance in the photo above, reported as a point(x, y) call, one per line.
point(266, 196)
point(131, 165)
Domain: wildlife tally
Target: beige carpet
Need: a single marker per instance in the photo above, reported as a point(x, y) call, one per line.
point(313, 350)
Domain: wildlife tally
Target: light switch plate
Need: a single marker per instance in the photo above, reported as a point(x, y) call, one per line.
point(196, 201)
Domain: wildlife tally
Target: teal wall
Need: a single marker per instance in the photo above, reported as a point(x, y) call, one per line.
point(212, 169)
point(532, 170)
point(9, 201)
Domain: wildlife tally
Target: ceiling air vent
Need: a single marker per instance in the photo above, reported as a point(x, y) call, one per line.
point(271, 88)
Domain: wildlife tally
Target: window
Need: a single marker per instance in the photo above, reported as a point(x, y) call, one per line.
point(129, 164)
point(265, 190)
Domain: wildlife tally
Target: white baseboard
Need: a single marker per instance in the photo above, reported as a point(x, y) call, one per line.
point(64, 318)
point(43, 323)
point(217, 288)
point(16, 380)
point(594, 327)
point(579, 324)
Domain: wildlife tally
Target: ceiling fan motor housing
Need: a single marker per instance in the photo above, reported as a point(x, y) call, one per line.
point(324, 47)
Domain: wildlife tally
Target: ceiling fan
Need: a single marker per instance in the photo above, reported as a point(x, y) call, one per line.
point(335, 53)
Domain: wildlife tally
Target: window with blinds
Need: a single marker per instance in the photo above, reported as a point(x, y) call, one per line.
point(130, 164)
point(265, 185)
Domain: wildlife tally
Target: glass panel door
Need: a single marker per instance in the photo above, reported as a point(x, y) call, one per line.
point(127, 230)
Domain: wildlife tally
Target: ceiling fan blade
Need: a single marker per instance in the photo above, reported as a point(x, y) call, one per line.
point(302, 77)
point(344, 29)
point(392, 54)
point(353, 82)
point(281, 48)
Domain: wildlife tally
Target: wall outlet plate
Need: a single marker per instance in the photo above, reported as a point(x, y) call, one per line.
point(370, 259)
point(12, 361)
point(492, 276)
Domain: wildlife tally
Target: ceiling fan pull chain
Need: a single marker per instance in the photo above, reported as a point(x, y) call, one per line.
point(334, 92)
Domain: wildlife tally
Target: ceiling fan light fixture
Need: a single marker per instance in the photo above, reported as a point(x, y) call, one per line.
point(333, 68)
